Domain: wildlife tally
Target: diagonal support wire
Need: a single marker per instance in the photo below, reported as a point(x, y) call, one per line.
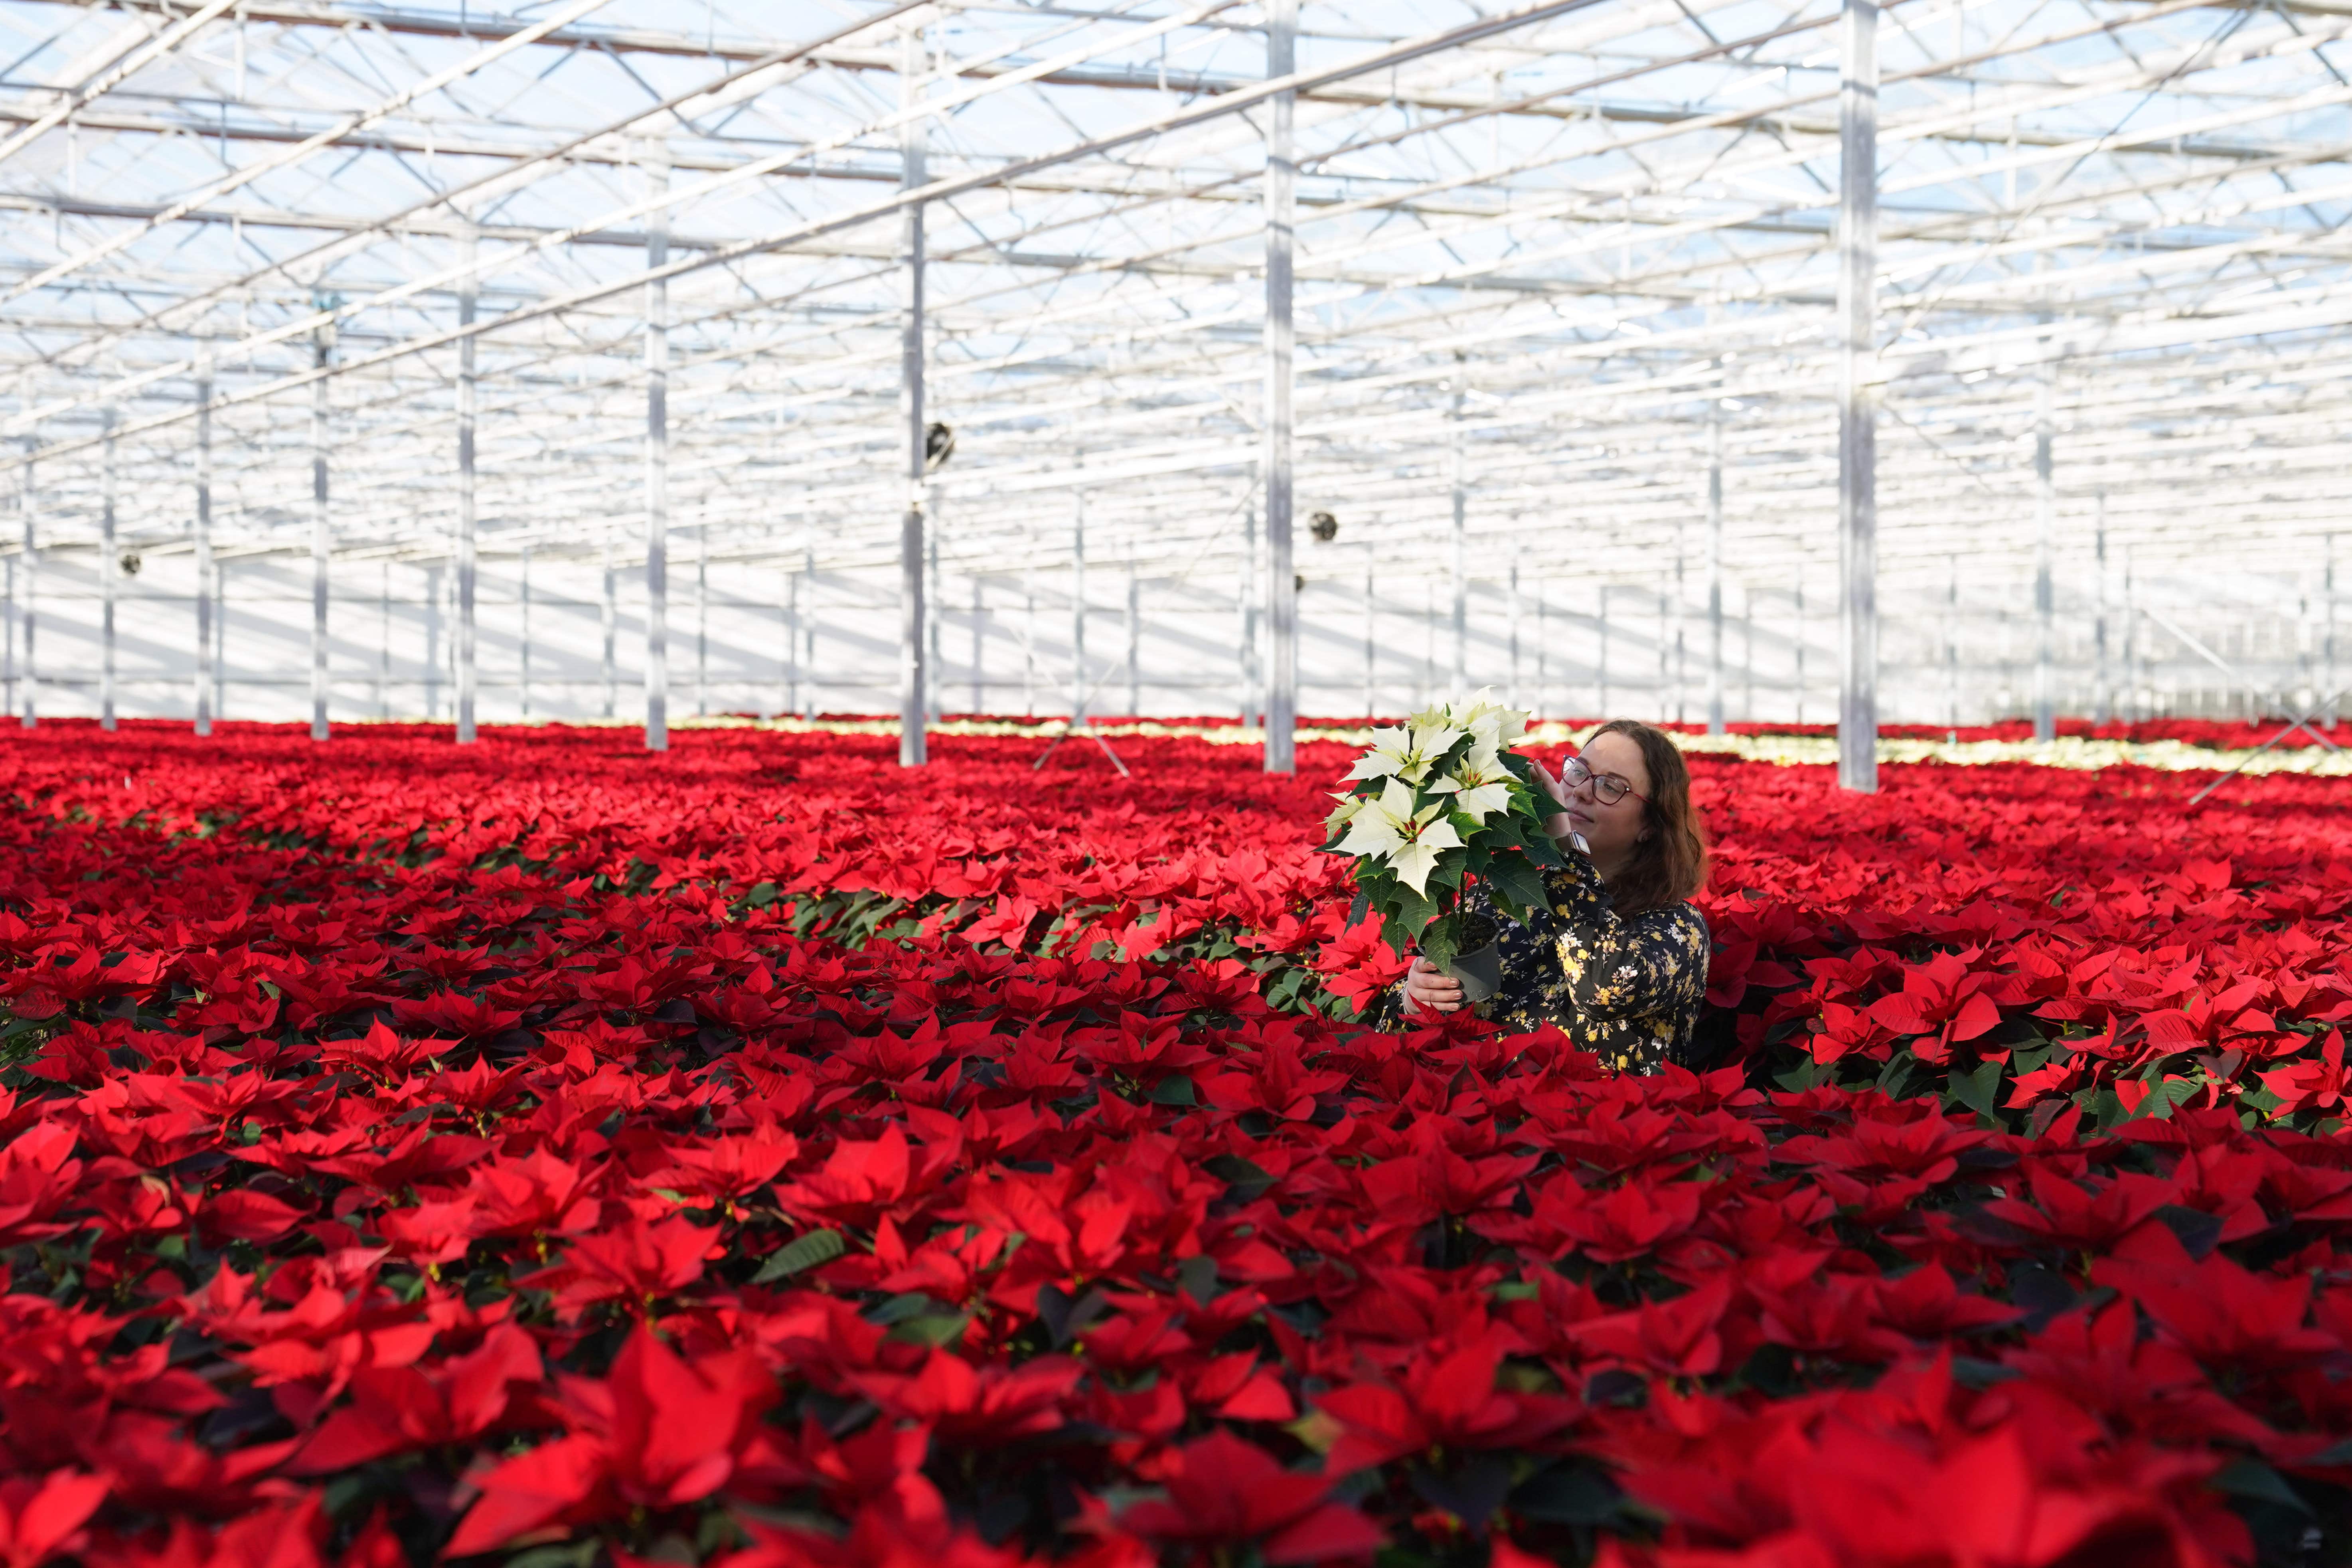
point(2304, 723)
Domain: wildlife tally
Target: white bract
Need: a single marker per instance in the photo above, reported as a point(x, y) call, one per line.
point(1404, 752)
point(1389, 828)
point(1343, 813)
point(1479, 784)
point(1494, 725)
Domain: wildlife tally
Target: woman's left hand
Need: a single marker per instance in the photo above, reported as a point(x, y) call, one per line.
point(1557, 824)
point(1562, 830)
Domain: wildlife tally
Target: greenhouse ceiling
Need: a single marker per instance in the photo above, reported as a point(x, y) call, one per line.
point(1552, 255)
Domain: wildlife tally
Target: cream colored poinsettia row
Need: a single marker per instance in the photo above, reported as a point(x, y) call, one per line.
point(2071, 753)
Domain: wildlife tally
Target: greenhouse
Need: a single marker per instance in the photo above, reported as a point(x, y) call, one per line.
point(590, 361)
point(1175, 784)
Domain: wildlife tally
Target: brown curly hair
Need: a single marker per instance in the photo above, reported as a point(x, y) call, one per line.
point(1670, 865)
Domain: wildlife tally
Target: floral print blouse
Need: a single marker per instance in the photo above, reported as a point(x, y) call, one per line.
point(1626, 988)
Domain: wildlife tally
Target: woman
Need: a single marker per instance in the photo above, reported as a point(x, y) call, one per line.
point(1617, 957)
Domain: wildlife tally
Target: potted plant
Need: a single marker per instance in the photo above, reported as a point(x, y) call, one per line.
point(1438, 806)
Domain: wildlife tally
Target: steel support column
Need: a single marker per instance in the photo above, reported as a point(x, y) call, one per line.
point(522, 673)
point(1798, 603)
point(657, 468)
point(1601, 640)
point(1282, 593)
point(1511, 609)
point(29, 504)
point(1251, 596)
point(108, 577)
point(935, 600)
point(612, 629)
point(791, 644)
point(1078, 608)
point(321, 543)
point(204, 544)
point(1134, 644)
point(1665, 669)
point(2328, 586)
point(1715, 574)
point(1460, 536)
point(2131, 703)
point(2104, 696)
point(2045, 629)
point(1029, 624)
point(1857, 234)
point(220, 638)
point(468, 674)
point(914, 615)
point(1681, 652)
point(384, 640)
point(1543, 645)
point(1952, 645)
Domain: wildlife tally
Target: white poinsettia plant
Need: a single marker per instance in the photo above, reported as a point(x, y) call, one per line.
point(1437, 804)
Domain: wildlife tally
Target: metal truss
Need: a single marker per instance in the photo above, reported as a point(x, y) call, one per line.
point(1551, 286)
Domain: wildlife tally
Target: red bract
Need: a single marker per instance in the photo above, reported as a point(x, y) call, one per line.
point(635, 1264)
point(735, 1157)
point(1444, 1403)
point(39, 1516)
point(394, 1411)
point(661, 1434)
point(1223, 1492)
point(862, 1181)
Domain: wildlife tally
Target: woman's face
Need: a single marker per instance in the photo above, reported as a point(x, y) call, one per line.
point(1611, 830)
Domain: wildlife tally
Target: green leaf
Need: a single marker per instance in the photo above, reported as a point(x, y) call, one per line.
point(566, 1554)
point(1197, 1275)
point(1414, 911)
point(1978, 1090)
point(2169, 1096)
point(1246, 1179)
point(1799, 1078)
point(802, 1252)
point(1516, 885)
point(1503, 830)
point(2252, 1479)
point(1175, 1090)
point(939, 1329)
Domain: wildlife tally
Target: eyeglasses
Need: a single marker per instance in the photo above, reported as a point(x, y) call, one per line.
point(1607, 788)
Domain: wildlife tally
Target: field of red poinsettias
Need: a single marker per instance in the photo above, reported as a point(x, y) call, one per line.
point(757, 1155)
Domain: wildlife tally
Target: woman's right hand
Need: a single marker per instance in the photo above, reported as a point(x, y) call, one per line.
point(1429, 989)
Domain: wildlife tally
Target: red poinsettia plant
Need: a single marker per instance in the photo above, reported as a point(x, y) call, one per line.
point(563, 1153)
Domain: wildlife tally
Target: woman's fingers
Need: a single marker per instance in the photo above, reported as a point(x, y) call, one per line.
point(1429, 989)
point(1426, 986)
